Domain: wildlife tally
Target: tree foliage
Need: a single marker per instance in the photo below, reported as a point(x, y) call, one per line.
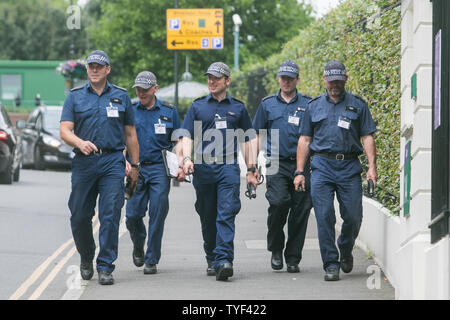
point(36, 30)
point(133, 33)
point(366, 37)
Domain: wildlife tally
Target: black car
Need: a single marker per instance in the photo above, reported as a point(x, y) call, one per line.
point(10, 149)
point(42, 144)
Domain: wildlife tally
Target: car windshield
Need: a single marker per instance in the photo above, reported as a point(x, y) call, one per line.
point(51, 119)
point(4, 120)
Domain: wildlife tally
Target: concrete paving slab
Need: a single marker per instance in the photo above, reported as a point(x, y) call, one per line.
point(182, 268)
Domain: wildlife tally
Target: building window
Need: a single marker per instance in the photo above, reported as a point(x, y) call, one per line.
point(11, 86)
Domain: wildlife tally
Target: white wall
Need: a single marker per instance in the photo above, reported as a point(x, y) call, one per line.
point(401, 245)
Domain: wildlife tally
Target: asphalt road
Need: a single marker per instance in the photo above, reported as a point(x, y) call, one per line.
point(38, 259)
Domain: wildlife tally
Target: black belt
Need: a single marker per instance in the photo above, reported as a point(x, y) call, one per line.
point(146, 163)
point(289, 159)
point(337, 156)
point(99, 151)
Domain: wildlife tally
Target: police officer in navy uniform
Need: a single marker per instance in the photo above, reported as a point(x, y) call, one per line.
point(155, 121)
point(217, 173)
point(333, 127)
point(283, 112)
point(97, 120)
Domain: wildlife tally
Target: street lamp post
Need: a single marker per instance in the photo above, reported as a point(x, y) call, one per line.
point(237, 23)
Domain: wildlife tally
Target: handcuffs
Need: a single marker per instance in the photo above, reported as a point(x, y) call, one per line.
point(251, 190)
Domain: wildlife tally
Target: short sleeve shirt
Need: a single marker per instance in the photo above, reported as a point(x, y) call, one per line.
point(154, 128)
point(210, 119)
point(337, 127)
point(99, 118)
point(282, 120)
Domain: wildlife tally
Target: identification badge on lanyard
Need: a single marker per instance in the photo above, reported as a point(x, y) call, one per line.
point(344, 122)
point(160, 128)
point(221, 123)
point(112, 112)
point(294, 120)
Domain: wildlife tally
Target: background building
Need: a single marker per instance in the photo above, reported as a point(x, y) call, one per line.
point(26, 79)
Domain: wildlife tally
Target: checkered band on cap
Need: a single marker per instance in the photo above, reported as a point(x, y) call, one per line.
point(288, 69)
point(218, 69)
point(146, 81)
point(335, 72)
point(96, 57)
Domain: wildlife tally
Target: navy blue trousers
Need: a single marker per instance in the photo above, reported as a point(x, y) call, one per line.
point(99, 176)
point(343, 178)
point(217, 204)
point(287, 205)
point(154, 196)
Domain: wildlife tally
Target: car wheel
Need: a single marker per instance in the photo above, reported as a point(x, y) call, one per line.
point(7, 176)
point(16, 175)
point(38, 162)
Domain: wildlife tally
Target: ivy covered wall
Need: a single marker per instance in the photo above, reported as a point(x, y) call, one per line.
point(365, 35)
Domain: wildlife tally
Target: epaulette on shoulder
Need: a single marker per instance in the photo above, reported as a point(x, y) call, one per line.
point(237, 100)
point(76, 88)
point(358, 97)
point(167, 104)
point(268, 97)
point(119, 87)
point(313, 99)
point(199, 98)
point(306, 96)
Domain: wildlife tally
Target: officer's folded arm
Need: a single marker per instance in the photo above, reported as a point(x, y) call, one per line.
point(66, 133)
point(302, 154)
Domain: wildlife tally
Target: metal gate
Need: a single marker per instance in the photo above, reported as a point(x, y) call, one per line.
point(440, 182)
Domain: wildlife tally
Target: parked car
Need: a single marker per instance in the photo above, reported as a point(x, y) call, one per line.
point(10, 149)
point(42, 144)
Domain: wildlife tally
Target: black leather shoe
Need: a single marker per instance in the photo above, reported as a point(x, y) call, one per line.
point(224, 272)
point(105, 278)
point(138, 256)
point(150, 269)
point(86, 270)
point(347, 263)
point(331, 274)
point(293, 268)
point(210, 271)
point(277, 260)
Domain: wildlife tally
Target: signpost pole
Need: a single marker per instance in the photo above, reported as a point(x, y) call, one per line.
point(175, 183)
point(175, 61)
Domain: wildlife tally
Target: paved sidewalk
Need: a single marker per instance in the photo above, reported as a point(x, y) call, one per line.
point(182, 268)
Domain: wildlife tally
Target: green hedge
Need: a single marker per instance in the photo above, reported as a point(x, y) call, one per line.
point(366, 37)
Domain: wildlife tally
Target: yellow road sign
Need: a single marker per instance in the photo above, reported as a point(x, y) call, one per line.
point(190, 29)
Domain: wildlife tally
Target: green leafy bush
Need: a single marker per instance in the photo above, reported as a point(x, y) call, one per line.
point(365, 35)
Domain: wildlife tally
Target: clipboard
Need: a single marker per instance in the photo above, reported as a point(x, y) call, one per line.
point(171, 164)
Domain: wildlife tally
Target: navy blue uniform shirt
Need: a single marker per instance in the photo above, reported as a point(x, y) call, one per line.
point(152, 139)
point(226, 115)
point(275, 113)
point(99, 119)
point(337, 127)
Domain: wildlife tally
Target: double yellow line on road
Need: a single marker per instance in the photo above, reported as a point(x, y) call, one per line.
point(34, 277)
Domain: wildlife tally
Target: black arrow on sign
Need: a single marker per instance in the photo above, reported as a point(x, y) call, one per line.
point(174, 43)
point(218, 25)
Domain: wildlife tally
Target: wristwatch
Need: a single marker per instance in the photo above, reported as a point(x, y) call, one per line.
point(136, 165)
point(251, 169)
point(297, 173)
